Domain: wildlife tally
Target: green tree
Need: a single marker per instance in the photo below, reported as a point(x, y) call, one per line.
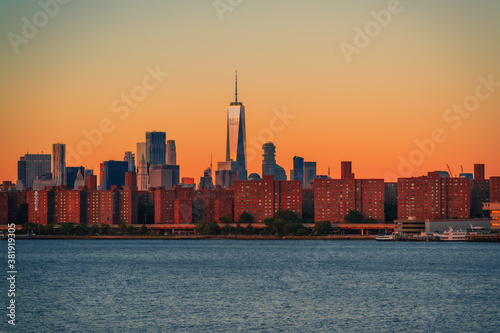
point(122, 228)
point(353, 216)
point(81, 229)
point(249, 229)
point(207, 228)
point(94, 229)
point(238, 230)
point(279, 227)
point(105, 229)
point(246, 218)
point(291, 228)
point(301, 232)
point(46, 229)
point(322, 228)
point(144, 229)
point(67, 228)
point(227, 229)
point(286, 215)
point(370, 220)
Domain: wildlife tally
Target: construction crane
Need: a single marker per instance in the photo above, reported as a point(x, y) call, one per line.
point(449, 170)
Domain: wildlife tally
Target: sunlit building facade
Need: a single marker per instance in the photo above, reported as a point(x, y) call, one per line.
point(59, 163)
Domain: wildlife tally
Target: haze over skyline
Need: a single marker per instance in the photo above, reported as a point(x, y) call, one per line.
point(370, 107)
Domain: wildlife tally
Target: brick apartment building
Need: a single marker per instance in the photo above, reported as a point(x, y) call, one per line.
point(263, 198)
point(434, 197)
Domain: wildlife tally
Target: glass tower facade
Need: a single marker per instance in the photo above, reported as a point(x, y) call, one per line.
point(236, 136)
point(31, 166)
point(156, 147)
point(298, 169)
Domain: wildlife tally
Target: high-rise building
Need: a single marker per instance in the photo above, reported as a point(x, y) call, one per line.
point(236, 134)
point(309, 172)
point(225, 178)
point(269, 166)
point(494, 189)
point(346, 170)
point(91, 182)
point(142, 175)
point(269, 159)
point(31, 166)
point(131, 180)
point(140, 150)
point(479, 171)
point(21, 174)
point(171, 153)
point(334, 198)
point(434, 196)
point(164, 175)
point(59, 163)
point(280, 173)
point(130, 159)
point(206, 181)
point(156, 148)
point(79, 181)
point(72, 173)
point(113, 174)
point(480, 191)
point(297, 173)
point(263, 198)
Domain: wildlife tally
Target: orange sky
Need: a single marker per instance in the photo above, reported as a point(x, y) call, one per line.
point(371, 110)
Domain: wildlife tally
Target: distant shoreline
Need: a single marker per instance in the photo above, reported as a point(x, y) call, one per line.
point(205, 237)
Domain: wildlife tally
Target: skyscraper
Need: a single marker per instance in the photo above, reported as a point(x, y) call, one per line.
point(156, 148)
point(206, 181)
point(236, 134)
point(31, 166)
point(171, 153)
point(113, 174)
point(309, 172)
point(140, 150)
point(269, 166)
point(130, 159)
point(142, 175)
point(59, 163)
point(166, 176)
point(72, 174)
point(298, 169)
point(79, 181)
point(269, 161)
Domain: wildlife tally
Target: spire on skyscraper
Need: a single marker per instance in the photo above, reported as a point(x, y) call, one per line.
point(236, 88)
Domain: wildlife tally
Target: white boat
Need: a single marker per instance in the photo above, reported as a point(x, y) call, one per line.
point(452, 235)
point(385, 237)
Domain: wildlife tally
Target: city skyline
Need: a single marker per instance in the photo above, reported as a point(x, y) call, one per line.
point(374, 107)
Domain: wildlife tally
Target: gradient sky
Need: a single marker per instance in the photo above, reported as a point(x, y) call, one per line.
point(370, 111)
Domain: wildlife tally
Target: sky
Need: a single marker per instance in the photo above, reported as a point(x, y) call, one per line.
point(399, 88)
